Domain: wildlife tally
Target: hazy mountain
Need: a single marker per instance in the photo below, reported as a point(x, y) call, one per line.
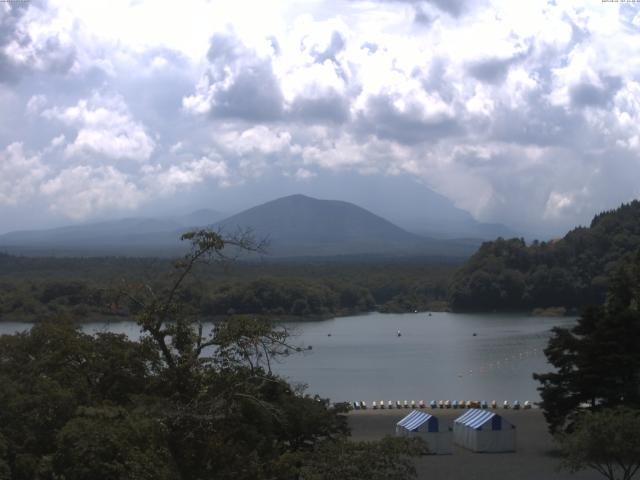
point(296, 225)
point(407, 203)
point(127, 236)
point(299, 225)
point(199, 218)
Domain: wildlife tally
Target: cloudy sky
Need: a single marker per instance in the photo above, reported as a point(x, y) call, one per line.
point(526, 113)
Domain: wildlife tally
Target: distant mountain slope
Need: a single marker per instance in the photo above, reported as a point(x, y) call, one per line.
point(570, 272)
point(302, 219)
point(127, 236)
point(298, 225)
point(407, 203)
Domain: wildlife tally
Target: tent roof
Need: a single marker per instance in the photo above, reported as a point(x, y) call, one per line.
point(414, 420)
point(475, 418)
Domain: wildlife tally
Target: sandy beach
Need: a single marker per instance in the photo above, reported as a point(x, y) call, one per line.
point(533, 460)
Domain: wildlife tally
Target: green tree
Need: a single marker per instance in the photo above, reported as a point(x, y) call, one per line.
point(109, 442)
point(184, 402)
point(607, 441)
point(597, 361)
point(388, 459)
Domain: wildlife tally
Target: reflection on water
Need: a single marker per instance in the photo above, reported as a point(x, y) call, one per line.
point(436, 357)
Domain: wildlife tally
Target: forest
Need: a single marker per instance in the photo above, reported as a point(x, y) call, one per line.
point(88, 288)
point(570, 272)
point(177, 404)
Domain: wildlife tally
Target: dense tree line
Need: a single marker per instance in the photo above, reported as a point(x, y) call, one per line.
point(178, 404)
point(570, 272)
point(591, 400)
point(597, 361)
point(37, 288)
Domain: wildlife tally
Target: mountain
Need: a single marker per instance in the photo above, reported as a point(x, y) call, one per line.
point(403, 200)
point(570, 272)
point(198, 218)
point(296, 226)
point(127, 236)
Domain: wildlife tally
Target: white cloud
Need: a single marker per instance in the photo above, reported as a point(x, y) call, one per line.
point(105, 127)
point(185, 175)
point(259, 139)
point(20, 174)
point(304, 174)
point(508, 108)
point(81, 191)
point(36, 104)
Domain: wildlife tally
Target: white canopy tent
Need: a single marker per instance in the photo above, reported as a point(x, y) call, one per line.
point(484, 431)
point(427, 427)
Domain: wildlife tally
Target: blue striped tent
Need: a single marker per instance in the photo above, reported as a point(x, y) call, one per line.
point(427, 427)
point(484, 431)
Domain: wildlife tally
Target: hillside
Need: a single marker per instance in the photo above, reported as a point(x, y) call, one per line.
point(570, 272)
point(296, 226)
point(126, 236)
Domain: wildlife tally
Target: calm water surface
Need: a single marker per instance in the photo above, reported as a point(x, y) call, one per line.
point(436, 357)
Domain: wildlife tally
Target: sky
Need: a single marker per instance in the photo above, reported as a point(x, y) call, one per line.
point(524, 113)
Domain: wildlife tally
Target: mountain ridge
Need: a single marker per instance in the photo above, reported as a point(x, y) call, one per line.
point(297, 225)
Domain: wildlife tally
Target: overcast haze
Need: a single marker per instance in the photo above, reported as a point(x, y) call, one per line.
point(525, 113)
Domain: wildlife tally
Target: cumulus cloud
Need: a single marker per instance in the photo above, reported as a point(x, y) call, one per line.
point(80, 191)
point(185, 175)
point(20, 174)
point(523, 113)
point(238, 83)
point(30, 41)
point(104, 127)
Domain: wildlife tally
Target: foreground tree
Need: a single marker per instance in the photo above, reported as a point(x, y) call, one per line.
point(182, 403)
point(597, 361)
point(388, 459)
point(607, 441)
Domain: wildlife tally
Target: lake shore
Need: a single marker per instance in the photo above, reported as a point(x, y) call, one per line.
point(535, 458)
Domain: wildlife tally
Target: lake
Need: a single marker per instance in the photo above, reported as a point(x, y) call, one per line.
point(436, 357)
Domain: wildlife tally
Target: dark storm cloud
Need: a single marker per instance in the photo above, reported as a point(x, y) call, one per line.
point(540, 124)
point(385, 121)
point(495, 70)
point(455, 8)
point(9, 17)
point(52, 56)
point(254, 92)
point(436, 80)
point(330, 108)
point(492, 71)
point(421, 17)
point(254, 95)
point(589, 95)
point(335, 47)
point(224, 48)
point(370, 47)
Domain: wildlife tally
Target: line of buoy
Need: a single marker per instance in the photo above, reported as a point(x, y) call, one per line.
point(502, 362)
point(455, 404)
